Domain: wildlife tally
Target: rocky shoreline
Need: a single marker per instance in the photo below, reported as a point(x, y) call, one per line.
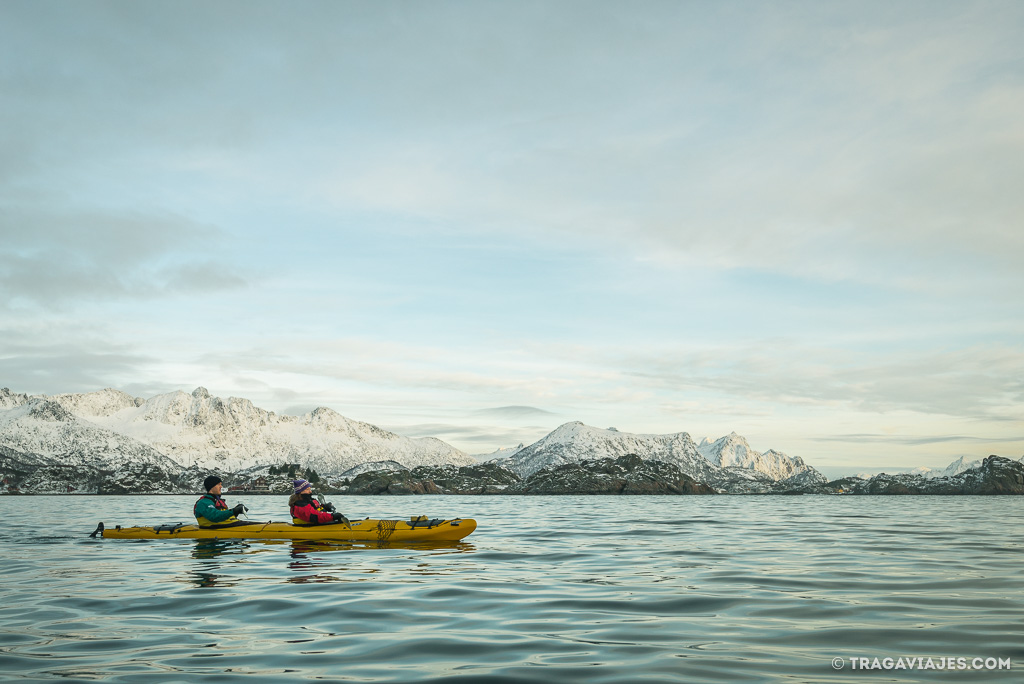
point(630, 474)
point(995, 475)
point(626, 475)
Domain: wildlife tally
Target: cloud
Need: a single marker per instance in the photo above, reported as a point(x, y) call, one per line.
point(56, 257)
point(981, 382)
point(477, 440)
point(744, 381)
point(913, 440)
point(513, 412)
point(383, 363)
point(51, 368)
point(885, 154)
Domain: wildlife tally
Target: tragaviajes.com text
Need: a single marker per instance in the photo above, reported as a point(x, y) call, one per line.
point(923, 663)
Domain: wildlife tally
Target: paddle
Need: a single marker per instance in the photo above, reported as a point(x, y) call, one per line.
point(329, 507)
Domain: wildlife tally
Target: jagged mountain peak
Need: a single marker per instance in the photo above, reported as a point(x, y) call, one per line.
point(734, 451)
point(730, 450)
point(576, 441)
point(103, 402)
point(322, 411)
point(9, 399)
point(570, 430)
point(49, 411)
point(727, 459)
point(222, 435)
point(576, 430)
point(960, 465)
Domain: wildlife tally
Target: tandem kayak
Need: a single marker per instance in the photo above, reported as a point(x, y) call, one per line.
point(412, 530)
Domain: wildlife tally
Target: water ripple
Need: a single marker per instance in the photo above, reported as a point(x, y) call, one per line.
point(588, 589)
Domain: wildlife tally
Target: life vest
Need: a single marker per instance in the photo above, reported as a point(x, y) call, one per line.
point(219, 504)
point(302, 503)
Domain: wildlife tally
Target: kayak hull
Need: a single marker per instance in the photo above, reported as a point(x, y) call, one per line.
point(357, 530)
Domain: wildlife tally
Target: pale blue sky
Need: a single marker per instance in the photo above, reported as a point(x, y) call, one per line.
point(797, 220)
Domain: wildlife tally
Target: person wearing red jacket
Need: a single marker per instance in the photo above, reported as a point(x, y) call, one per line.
point(306, 510)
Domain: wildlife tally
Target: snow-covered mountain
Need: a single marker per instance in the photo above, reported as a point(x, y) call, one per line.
point(198, 430)
point(9, 399)
point(574, 442)
point(958, 466)
point(733, 451)
point(727, 463)
point(45, 448)
point(991, 475)
point(499, 454)
point(43, 427)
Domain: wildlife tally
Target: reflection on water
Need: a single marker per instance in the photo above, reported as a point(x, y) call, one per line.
point(304, 561)
point(212, 548)
point(308, 560)
point(304, 546)
point(205, 575)
point(208, 579)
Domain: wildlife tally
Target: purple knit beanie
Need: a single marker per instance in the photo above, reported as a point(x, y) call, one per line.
point(300, 485)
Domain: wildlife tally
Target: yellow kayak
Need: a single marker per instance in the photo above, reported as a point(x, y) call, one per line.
point(412, 530)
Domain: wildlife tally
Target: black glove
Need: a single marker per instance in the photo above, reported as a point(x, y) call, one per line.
point(338, 517)
point(237, 510)
point(329, 507)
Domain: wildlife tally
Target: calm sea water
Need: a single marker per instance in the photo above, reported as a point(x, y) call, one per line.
point(548, 589)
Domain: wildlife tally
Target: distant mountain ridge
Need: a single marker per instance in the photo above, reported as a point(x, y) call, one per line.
point(203, 432)
point(199, 431)
point(726, 463)
point(958, 466)
point(110, 441)
point(991, 475)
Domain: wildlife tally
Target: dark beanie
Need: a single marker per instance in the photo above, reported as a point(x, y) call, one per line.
point(211, 482)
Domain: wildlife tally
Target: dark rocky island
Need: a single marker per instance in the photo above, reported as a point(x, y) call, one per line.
point(627, 474)
point(995, 475)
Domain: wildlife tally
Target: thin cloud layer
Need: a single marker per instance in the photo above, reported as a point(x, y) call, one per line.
point(515, 412)
point(51, 258)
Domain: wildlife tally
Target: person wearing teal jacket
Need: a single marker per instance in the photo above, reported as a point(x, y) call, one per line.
point(211, 509)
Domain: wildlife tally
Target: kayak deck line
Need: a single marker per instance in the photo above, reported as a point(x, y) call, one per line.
point(418, 528)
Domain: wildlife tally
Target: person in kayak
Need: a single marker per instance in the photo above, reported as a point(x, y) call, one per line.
point(211, 509)
point(306, 510)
